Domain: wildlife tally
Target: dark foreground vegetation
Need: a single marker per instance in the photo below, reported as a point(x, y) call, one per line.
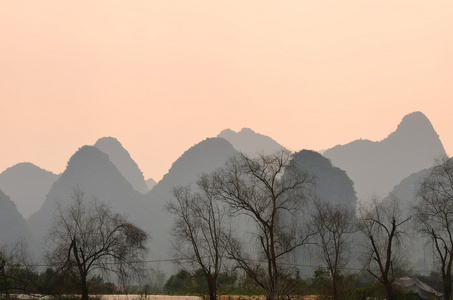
point(20, 280)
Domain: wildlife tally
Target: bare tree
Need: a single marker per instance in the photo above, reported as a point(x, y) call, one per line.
point(270, 192)
point(87, 237)
point(434, 216)
point(384, 227)
point(334, 224)
point(199, 230)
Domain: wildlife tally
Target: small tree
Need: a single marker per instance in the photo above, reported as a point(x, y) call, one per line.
point(17, 271)
point(434, 217)
point(271, 193)
point(87, 237)
point(383, 225)
point(334, 225)
point(199, 231)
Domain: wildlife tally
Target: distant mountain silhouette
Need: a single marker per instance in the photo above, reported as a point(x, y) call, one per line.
point(204, 157)
point(123, 162)
point(13, 227)
point(150, 183)
point(375, 167)
point(332, 184)
point(250, 142)
point(91, 170)
point(406, 190)
point(27, 185)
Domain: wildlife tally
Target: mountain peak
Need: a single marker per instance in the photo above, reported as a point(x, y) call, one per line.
point(415, 130)
point(250, 142)
point(246, 130)
point(415, 122)
point(375, 167)
point(91, 170)
point(123, 161)
point(27, 185)
point(111, 141)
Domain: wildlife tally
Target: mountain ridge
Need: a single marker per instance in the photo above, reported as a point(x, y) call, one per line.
point(375, 167)
point(27, 185)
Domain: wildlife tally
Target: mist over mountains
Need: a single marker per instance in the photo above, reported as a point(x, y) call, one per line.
point(27, 185)
point(345, 174)
point(204, 157)
point(13, 227)
point(376, 167)
point(90, 170)
point(123, 162)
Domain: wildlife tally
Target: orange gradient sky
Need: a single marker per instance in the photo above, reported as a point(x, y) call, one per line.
point(161, 76)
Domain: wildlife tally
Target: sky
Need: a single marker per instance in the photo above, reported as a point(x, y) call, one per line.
point(163, 75)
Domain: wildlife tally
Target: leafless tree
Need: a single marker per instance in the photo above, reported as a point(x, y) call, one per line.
point(199, 230)
point(270, 192)
point(87, 237)
point(334, 225)
point(434, 216)
point(384, 228)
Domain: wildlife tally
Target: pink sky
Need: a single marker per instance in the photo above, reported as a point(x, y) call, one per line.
point(161, 76)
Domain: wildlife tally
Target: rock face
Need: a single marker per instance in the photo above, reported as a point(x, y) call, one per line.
point(13, 227)
point(250, 142)
point(332, 184)
point(123, 162)
point(90, 170)
point(375, 167)
point(27, 185)
point(204, 157)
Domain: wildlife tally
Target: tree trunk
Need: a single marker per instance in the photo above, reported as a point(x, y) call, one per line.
point(212, 289)
point(389, 291)
point(447, 287)
point(334, 286)
point(84, 289)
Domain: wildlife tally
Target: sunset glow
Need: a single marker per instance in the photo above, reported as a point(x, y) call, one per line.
point(160, 76)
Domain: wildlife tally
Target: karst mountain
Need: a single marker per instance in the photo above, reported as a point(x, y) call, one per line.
point(250, 142)
point(123, 161)
point(376, 167)
point(91, 171)
point(27, 185)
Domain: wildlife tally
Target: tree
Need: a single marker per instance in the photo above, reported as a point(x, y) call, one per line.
point(434, 217)
point(271, 193)
point(384, 226)
point(17, 271)
point(198, 231)
point(334, 225)
point(87, 237)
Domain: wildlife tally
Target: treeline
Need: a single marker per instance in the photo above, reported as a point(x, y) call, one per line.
point(17, 280)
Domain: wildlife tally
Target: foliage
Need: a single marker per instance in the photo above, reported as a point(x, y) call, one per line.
point(17, 273)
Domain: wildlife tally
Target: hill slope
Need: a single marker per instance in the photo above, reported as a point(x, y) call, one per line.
point(91, 170)
point(27, 185)
point(13, 227)
point(332, 184)
point(123, 162)
point(375, 167)
point(204, 157)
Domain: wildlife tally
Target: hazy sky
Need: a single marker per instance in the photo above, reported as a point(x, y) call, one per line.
point(161, 76)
